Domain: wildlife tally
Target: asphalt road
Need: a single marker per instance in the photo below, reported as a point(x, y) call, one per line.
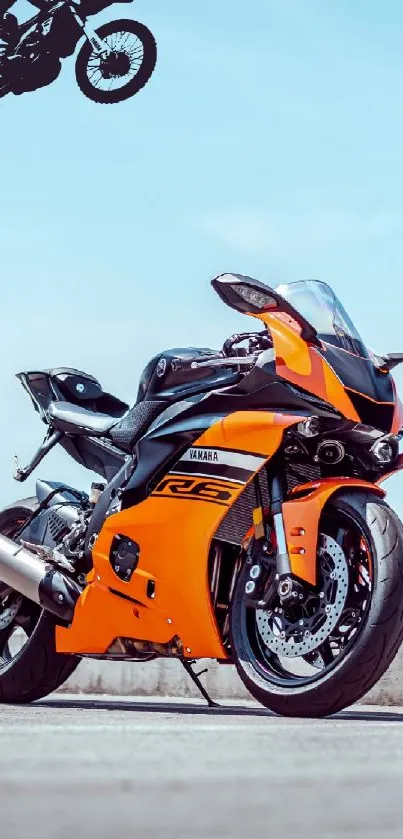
point(73, 767)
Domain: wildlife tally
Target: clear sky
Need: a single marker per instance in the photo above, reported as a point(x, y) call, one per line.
point(269, 141)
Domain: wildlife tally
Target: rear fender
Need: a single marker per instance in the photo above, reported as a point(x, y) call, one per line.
point(302, 516)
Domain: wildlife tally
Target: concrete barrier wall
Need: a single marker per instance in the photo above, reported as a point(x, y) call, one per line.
point(168, 678)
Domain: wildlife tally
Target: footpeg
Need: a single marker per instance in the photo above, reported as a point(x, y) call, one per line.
point(18, 471)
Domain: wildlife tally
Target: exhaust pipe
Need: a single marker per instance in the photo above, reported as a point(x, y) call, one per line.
point(37, 580)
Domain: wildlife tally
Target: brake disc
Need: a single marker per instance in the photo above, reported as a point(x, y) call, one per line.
point(296, 631)
point(10, 602)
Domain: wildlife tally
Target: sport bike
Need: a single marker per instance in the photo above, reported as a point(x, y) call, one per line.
point(114, 63)
point(237, 515)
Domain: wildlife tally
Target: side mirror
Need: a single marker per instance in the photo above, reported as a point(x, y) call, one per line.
point(251, 297)
point(392, 360)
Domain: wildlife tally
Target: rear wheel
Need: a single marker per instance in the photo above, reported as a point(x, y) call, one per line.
point(30, 667)
point(325, 653)
point(125, 70)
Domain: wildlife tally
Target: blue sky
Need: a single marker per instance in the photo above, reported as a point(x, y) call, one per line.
point(269, 141)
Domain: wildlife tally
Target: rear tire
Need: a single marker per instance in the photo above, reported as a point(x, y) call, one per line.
point(376, 642)
point(37, 669)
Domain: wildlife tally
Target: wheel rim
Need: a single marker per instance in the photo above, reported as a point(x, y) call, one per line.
point(267, 648)
point(18, 615)
point(121, 66)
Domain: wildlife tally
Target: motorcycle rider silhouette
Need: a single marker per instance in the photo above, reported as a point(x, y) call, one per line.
point(8, 24)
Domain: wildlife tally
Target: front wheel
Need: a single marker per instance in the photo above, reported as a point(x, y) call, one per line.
point(127, 67)
point(323, 654)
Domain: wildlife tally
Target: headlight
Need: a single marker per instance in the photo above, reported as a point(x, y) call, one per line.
point(385, 449)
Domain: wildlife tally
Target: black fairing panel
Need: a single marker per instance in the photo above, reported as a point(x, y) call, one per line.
point(95, 455)
point(262, 387)
point(160, 381)
point(379, 415)
point(360, 374)
point(156, 455)
point(65, 494)
point(56, 518)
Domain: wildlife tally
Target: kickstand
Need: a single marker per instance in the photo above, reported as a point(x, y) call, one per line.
point(187, 663)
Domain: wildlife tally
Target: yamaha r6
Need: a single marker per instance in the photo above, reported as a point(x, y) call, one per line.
point(238, 515)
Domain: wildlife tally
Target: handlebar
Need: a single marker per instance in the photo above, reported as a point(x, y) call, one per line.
point(258, 342)
point(178, 366)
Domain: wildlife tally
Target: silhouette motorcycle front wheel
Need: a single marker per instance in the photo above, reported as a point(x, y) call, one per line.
point(124, 70)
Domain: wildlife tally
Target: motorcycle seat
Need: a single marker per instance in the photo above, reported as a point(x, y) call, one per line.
point(74, 419)
point(122, 431)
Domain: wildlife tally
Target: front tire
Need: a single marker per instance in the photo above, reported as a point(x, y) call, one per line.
point(36, 668)
point(126, 70)
point(374, 641)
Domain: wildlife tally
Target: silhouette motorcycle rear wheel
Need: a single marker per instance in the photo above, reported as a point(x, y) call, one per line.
point(125, 70)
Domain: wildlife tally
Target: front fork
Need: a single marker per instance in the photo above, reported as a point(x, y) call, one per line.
point(263, 558)
point(99, 46)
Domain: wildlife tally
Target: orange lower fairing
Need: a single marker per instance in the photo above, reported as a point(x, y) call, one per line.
point(174, 532)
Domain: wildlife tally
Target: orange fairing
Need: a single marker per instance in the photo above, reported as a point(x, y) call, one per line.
point(301, 364)
point(174, 527)
point(301, 521)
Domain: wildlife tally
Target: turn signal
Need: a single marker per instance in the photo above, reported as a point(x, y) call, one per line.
point(309, 427)
point(383, 450)
point(256, 297)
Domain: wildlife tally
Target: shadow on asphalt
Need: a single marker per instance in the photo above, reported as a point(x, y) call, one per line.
point(101, 704)
point(369, 716)
point(154, 707)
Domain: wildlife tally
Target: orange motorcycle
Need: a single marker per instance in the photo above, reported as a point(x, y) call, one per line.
point(239, 517)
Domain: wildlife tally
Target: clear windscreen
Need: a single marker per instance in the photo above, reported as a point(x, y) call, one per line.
point(319, 305)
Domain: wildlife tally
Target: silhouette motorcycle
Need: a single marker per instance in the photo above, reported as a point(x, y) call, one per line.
point(114, 63)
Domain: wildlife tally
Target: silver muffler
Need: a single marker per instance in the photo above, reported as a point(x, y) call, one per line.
point(37, 580)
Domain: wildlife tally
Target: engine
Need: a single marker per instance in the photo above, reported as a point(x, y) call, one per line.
point(58, 531)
